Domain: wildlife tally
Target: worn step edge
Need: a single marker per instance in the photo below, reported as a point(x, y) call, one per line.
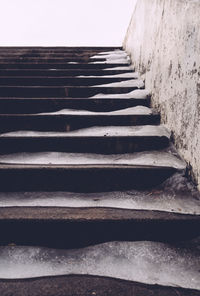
point(61, 159)
point(105, 132)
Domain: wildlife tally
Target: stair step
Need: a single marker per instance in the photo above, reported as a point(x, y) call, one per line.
point(46, 54)
point(159, 263)
point(64, 72)
point(36, 105)
point(72, 65)
point(63, 91)
point(165, 213)
point(57, 60)
point(71, 119)
point(121, 57)
point(86, 172)
point(107, 139)
point(57, 81)
point(158, 202)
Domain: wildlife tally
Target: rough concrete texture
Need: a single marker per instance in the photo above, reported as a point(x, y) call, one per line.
point(99, 131)
point(163, 41)
point(144, 262)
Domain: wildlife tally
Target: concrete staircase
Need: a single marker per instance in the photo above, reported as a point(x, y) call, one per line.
point(94, 199)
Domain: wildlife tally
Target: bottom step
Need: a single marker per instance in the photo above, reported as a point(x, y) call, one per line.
point(144, 262)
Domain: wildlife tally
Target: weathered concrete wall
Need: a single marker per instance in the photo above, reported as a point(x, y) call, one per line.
point(163, 40)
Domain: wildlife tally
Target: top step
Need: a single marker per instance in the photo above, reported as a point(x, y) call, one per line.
point(57, 49)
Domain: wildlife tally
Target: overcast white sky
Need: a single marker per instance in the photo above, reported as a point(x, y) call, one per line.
point(64, 22)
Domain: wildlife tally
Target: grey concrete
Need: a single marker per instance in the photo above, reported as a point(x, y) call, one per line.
point(163, 41)
point(144, 262)
point(154, 159)
point(99, 131)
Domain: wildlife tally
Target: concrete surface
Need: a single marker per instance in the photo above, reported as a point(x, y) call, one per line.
point(142, 159)
point(143, 262)
point(99, 131)
point(163, 41)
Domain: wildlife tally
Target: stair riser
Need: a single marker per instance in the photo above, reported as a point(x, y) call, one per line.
point(29, 106)
point(103, 145)
point(64, 123)
point(66, 91)
point(79, 179)
point(45, 81)
point(69, 234)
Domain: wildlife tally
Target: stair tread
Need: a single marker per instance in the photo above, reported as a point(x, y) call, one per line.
point(56, 159)
point(91, 214)
point(98, 131)
point(159, 263)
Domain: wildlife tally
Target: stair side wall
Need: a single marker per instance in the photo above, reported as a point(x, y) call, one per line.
point(163, 40)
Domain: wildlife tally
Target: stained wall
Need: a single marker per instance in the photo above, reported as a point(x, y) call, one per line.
point(163, 40)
